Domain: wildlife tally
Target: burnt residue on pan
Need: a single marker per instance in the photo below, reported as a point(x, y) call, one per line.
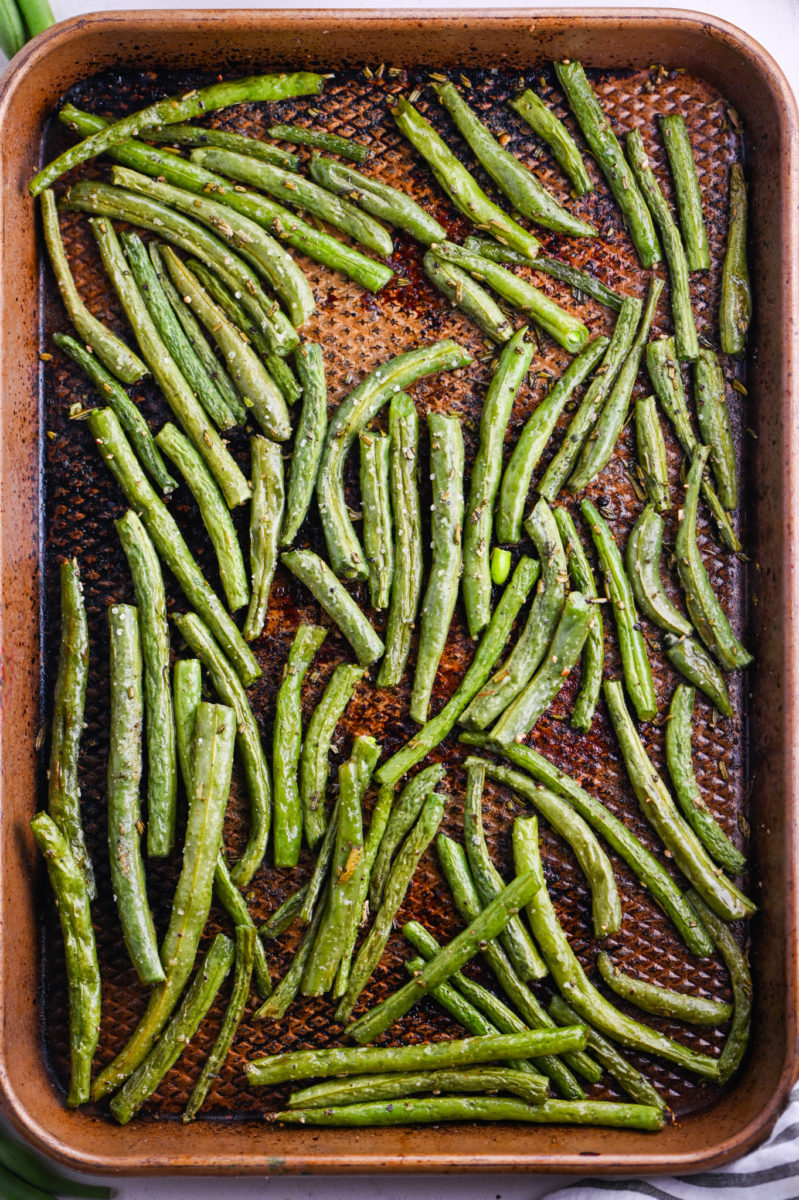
point(358, 331)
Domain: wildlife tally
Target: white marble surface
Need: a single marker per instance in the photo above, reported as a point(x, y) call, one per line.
point(775, 24)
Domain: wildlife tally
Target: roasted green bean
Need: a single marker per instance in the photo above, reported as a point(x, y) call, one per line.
point(202, 135)
point(735, 960)
point(83, 972)
point(466, 294)
point(535, 437)
point(351, 418)
point(662, 1001)
point(694, 663)
point(604, 145)
point(687, 191)
point(582, 578)
point(360, 1089)
point(389, 204)
point(501, 562)
point(378, 537)
point(403, 815)
point(287, 744)
point(676, 834)
point(637, 672)
point(681, 772)
point(406, 587)
point(336, 601)
point(511, 368)
point(236, 908)
point(308, 440)
point(735, 309)
point(651, 447)
point(703, 606)
point(542, 120)
point(713, 420)
point(644, 549)
point(446, 527)
point(298, 135)
point(285, 915)
point(266, 514)
point(577, 280)
point(69, 701)
point(314, 759)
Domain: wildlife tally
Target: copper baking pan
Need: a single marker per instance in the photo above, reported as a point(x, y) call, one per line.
point(726, 60)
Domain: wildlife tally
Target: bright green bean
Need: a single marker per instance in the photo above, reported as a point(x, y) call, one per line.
point(336, 601)
point(287, 743)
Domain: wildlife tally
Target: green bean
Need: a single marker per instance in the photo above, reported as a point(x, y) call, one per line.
point(535, 437)
point(175, 109)
point(735, 309)
point(518, 183)
point(486, 1012)
point(235, 906)
point(735, 961)
point(489, 649)
point(592, 402)
point(362, 1089)
point(402, 817)
point(178, 1033)
point(258, 390)
point(266, 515)
point(463, 291)
point(194, 333)
point(246, 939)
point(604, 145)
point(662, 1001)
point(703, 606)
point(336, 601)
point(69, 701)
point(215, 516)
point(36, 1172)
point(687, 190)
point(528, 1011)
point(562, 653)
point(651, 446)
point(124, 776)
point(13, 36)
point(315, 756)
point(171, 332)
point(396, 887)
point(459, 1052)
point(464, 946)
point(691, 659)
point(283, 375)
point(582, 578)
point(406, 584)
point(560, 325)
point(159, 718)
point(676, 834)
point(201, 135)
point(636, 1085)
point(128, 415)
point(105, 200)
point(459, 1007)
point(574, 829)
point(461, 187)
point(644, 549)
point(602, 440)
point(685, 338)
point(574, 984)
point(713, 420)
point(284, 995)
point(524, 659)
point(284, 916)
point(511, 368)
point(212, 758)
point(351, 418)
point(299, 192)
point(248, 740)
point(637, 672)
point(518, 945)
point(112, 352)
point(179, 396)
point(681, 772)
point(273, 217)
point(501, 563)
point(664, 372)
point(287, 743)
point(298, 135)
point(319, 876)
point(639, 859)
point(83, 973)
point(378, 541)
point(579, 281)
point(389, 204)
point(541, 119)
point(377, 826)
point(481, 1108)
point(446, 526)
point(308, 440)
point(354, 775)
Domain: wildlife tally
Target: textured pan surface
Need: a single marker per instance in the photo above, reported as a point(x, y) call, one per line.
point(358, 331)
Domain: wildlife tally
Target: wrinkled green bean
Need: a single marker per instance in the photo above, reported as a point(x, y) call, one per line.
point(644, 550)
point(378, 536)
point(308, 440)
point(314, 758)
point(735, 310)
point(336, 601)
point(287, 744)
point(582, 578)
point(266, 513)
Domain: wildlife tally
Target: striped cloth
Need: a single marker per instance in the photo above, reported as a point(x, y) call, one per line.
point(769, 1173)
